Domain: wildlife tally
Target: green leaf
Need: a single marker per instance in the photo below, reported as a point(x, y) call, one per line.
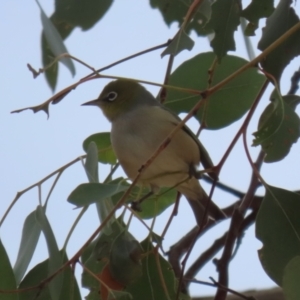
point(282, 19)
point(8, 281)
point(291, 279)
point(279, 128)
point(157, 204)
point(175, 11)
point(180, 42)
point(88, 193)
point(51, 72)
point(292, 101)
point(84, 14)
point(224, 22)
point(278, 228)
point(93, 264)
point(55, 261)
point(258, 9)
point(40, 272)
point(125, 258)
point(152, 206)
point(151, 284)
point(30, 236)
point(96, 257)
point(55, 41)
point(68, 15)
point(106, 154)
point(91, 163)
point(226, 105)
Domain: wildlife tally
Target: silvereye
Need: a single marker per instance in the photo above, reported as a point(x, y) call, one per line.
point(140, 124)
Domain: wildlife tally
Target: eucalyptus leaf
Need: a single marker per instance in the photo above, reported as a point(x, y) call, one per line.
point(157, 204)
point(291, 279)
point(180, 42)
point(91, 163)
point(226, 105)
point(8, 281)
point(69, 290)
point(106, 154)
point(84, 14)
point(258, 9)
point(224, 21)
point(30, 236)
point(66, 17)
point(279, 129)
point(125, 258)
point(55, 41)
point(151, 284)
point(280, 21)
point(88, 193)
point(175, 11)
point(55, 260)
point(278, 228)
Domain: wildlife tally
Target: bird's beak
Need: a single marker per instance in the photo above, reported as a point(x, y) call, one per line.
point(93, 102)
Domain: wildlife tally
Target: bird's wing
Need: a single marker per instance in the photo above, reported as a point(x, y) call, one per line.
point(204, 156)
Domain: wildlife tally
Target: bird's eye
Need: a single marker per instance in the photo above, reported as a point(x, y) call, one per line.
point(112, 96)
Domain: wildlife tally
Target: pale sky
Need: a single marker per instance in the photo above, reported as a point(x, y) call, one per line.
point(32, 146)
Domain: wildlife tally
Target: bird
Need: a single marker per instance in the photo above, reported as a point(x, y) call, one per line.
point(139, 125)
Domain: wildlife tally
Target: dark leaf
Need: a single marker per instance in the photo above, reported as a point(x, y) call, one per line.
point(279, 128)
point(84, 14)
point(151, 284)
point(278, 228)
point(282, 19)
point(40, 272)
point(125, 258)
point(258, 9)
point(47, 58)
point(224, 21)
point(180, 42)
point(8, 281)
point(175, 11)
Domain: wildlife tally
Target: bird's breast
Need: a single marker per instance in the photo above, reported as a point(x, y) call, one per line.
point(137, 136)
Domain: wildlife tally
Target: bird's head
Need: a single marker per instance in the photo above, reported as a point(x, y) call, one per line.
point(122, 96)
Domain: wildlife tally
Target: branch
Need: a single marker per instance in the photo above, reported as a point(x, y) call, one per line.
point(270, 294)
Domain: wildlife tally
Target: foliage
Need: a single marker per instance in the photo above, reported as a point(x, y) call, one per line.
point(217, 88)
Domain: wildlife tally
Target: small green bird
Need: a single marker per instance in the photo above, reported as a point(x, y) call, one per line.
point(139, 126)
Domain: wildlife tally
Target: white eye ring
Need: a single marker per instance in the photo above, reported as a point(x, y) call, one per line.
point(111, 96)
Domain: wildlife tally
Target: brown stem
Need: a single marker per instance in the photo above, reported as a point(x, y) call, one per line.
point(234, 231)
point(163, 93)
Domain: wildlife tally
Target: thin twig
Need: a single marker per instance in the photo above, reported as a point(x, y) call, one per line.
point(206, 256)
point(163, 93)
point(19, 194)
point(130, 57)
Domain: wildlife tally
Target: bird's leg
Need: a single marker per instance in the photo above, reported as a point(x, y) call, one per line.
point(136, 205)
point(193, 172)
point(210, 172)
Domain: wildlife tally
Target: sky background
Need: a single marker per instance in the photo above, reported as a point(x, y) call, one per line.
point(32, 146)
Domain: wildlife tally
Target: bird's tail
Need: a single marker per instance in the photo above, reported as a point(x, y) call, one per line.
point(199, 200)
